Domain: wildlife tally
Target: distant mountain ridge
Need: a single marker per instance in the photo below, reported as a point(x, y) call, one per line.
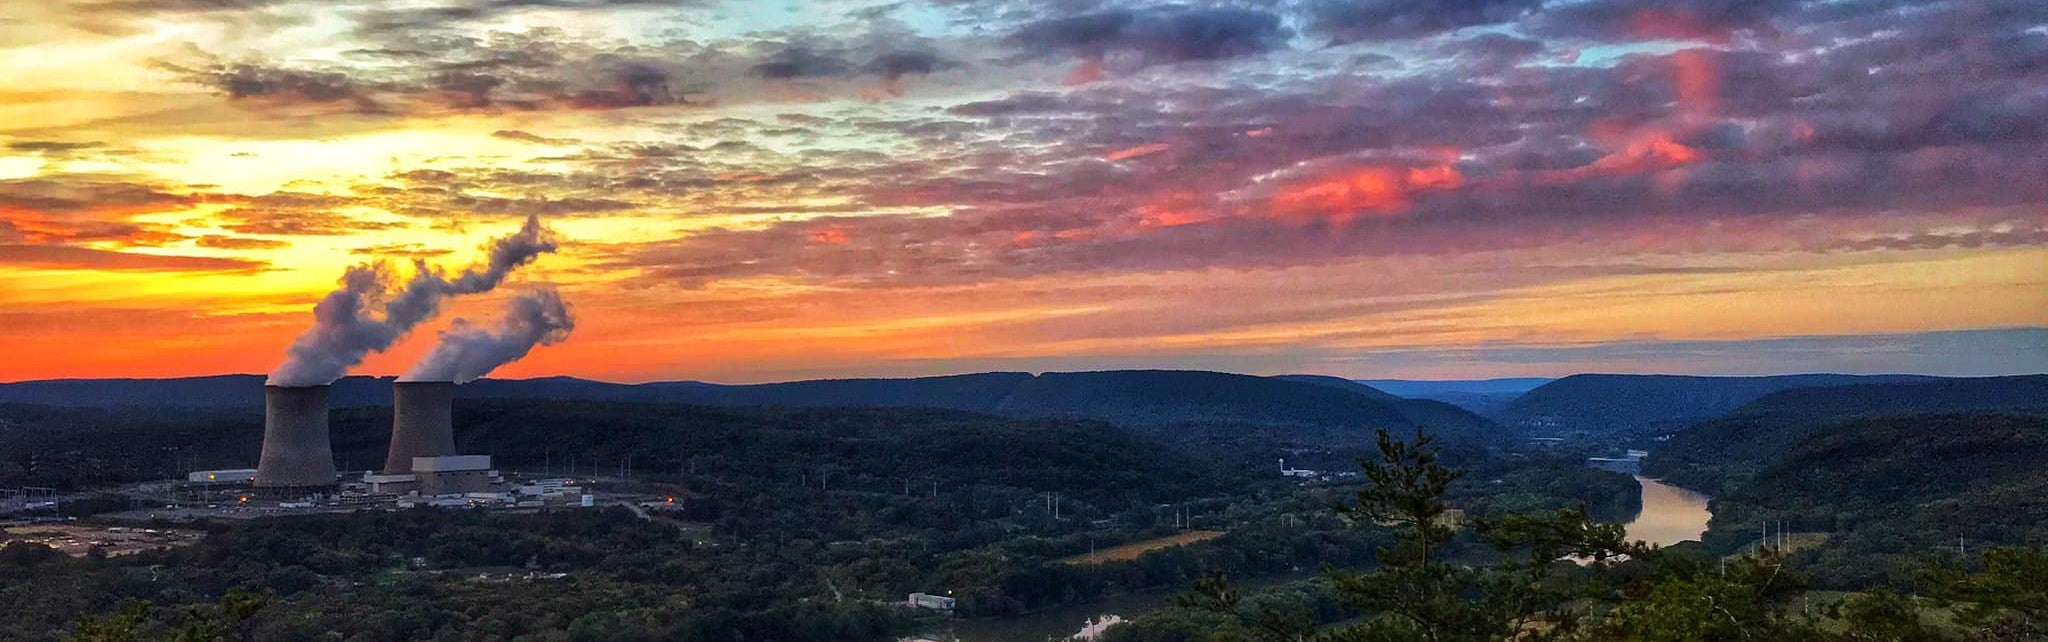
point(1486, 397)
point(1310, 407)
point(1636, 406)
point(1719, 453)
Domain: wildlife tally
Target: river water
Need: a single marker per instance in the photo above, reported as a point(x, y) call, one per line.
point(1670, 514)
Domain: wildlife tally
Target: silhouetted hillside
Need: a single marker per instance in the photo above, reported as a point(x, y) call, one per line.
point(1630, 406)
point(870, 448)
point(1288, 409)
point(1889, 489)
point(1714, 454)
point(976, 392)
point(1341, 383)
point(1485, 397)
point(1224, 406)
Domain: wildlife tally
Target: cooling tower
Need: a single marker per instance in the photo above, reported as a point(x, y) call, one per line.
point(420, 423)
point(296, 452)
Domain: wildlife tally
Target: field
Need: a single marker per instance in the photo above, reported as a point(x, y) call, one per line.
point(1132, 550)
point(77, 541)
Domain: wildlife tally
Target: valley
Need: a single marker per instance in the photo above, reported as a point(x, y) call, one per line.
point(1035, 515)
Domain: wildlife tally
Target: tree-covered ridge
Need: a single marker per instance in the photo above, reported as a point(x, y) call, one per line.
point(1643, 406)
point(1889, 491)
point(1716, 455)
point(1210, 406)
point(1560, 576)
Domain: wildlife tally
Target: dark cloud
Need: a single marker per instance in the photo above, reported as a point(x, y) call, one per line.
point(634, 85)
point(182, 6)
point(795, 61)
point(407, 251)
point(454, 13)
point(79, 258)
point(1625, 20)
point(1153, 36)
point(1347, 21)
point(239, 243)
point(52, 147)
point(62, 195)
point(284, 221)
point(1492, 52)
point(278, 84)
point(897, 64)
point(529, 137)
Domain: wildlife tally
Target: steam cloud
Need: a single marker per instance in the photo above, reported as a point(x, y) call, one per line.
point(346, 326)
point(466, 352)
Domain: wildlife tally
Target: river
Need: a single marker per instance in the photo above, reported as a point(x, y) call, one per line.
point(1670, 514)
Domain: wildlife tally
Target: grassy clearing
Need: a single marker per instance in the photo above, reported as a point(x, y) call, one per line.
point(1132, 550)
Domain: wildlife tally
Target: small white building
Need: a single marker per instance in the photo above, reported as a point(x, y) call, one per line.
point(391, 484)
point(226, 476)
point(929, 601)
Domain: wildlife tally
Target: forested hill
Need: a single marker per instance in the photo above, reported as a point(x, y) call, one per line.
point(1897, 487)
point(1715, 454)
point(1303, 409)
point(869, 448)
point(1487, 397)
point(1648, 405)
point(1274, 408)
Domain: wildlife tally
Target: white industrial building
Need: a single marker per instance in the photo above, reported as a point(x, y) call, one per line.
point(1294, 472)
point(929, 601)
point(227, 476)
point(443, 475)
point(454, 474)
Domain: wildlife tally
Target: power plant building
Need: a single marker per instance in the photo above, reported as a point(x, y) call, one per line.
point(297, 454)
point(453, 474)
point(229, 476)
point(422, 423)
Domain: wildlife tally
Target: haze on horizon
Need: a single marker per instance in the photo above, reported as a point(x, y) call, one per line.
point(756, 191)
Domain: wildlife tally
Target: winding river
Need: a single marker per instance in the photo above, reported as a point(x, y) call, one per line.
point(1670, 514)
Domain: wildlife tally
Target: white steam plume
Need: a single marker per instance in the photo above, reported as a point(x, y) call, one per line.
point(467, 352)
point(346, 326)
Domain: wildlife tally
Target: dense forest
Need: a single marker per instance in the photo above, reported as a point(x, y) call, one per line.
point(1640, 407)
point(1880, 495)
point(1412, 574)
point(799, 522)
point(1716, 455)
point(807, 523)
point(1210, 404)
point(1559, 575)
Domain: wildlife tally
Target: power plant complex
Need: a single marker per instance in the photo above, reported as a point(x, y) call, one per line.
point(298, 453)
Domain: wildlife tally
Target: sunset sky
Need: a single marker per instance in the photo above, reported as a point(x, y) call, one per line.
point(755, 190)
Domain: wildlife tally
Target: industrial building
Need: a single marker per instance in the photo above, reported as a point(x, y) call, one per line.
point(454, 474)
point(939, 603)
point(421, 466)
point(297, 454)
point(422, 423)
point(222, 477)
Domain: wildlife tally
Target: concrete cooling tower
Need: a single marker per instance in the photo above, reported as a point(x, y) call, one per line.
point(421, 423)
point(296, 451)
